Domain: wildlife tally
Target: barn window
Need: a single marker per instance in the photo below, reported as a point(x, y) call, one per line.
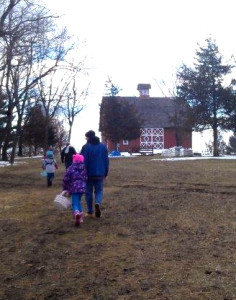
point(125, 142)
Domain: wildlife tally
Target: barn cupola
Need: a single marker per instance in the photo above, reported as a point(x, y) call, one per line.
point(144, 90)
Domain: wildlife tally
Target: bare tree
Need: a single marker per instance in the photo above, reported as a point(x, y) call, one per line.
point(56, 92)
point(62, 93)
point(51, 93)
point(62, 135)
point(31, 48)
point(6, 9)
point(74, 102)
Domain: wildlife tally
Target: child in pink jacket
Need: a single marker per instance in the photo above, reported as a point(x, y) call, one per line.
point(74, 182)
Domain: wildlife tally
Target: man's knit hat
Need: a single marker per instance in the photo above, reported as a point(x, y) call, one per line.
point(77, 158)
point(90, 134)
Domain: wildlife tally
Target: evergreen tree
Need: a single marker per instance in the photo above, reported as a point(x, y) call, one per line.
point(53, 138)
point(34, 129)
point(203, 87)
point(118, 119)
point(231, 148)
point(230, 108)
point(111, 88)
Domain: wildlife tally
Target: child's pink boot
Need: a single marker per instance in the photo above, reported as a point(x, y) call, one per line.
point(81, 217)
point(78, 217)
point(76, 214)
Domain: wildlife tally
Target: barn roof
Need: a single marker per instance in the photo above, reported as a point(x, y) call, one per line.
point(155, 111)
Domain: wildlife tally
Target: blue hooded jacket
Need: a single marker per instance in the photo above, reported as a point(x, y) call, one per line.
point(95, 158)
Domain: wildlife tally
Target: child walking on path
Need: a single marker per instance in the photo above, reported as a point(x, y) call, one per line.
point(49, 164)
point(74, 182)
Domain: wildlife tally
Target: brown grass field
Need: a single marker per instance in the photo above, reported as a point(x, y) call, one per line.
point(167, 232)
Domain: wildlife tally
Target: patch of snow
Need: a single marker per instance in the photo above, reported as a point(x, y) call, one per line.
point(196, 158)
point(4, 163)
point(124, 153)
point(16, 162)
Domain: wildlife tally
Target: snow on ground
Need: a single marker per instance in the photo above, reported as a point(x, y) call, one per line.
point(4, 163)
point(7, 164)
point(126, 154)
point(17, 161)
point(179, 158)
point(196, 157)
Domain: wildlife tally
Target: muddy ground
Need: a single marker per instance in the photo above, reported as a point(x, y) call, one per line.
point(167, 232)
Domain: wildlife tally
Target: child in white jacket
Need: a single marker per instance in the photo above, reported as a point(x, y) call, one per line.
point(49, 164)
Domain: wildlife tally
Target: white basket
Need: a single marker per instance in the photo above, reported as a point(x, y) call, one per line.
point(61, 202)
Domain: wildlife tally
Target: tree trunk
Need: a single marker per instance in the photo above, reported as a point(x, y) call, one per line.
point(178, 137)
point(20, 151)
point(4, 151)
point(46, 136)
point(16, 138)
point(7, 132)
point(35, 150)
point(215, 142)
point(215, 124)
point(13, 153)
point(69, 134)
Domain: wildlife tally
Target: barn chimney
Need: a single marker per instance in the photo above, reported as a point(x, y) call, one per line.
point(143, 90)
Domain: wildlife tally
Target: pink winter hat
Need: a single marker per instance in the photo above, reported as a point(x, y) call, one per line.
point(77, 158)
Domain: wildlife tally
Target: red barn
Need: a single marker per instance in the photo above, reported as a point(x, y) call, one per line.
point(158, 129)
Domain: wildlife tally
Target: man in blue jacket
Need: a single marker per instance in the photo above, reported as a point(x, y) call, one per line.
point(97, 164)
